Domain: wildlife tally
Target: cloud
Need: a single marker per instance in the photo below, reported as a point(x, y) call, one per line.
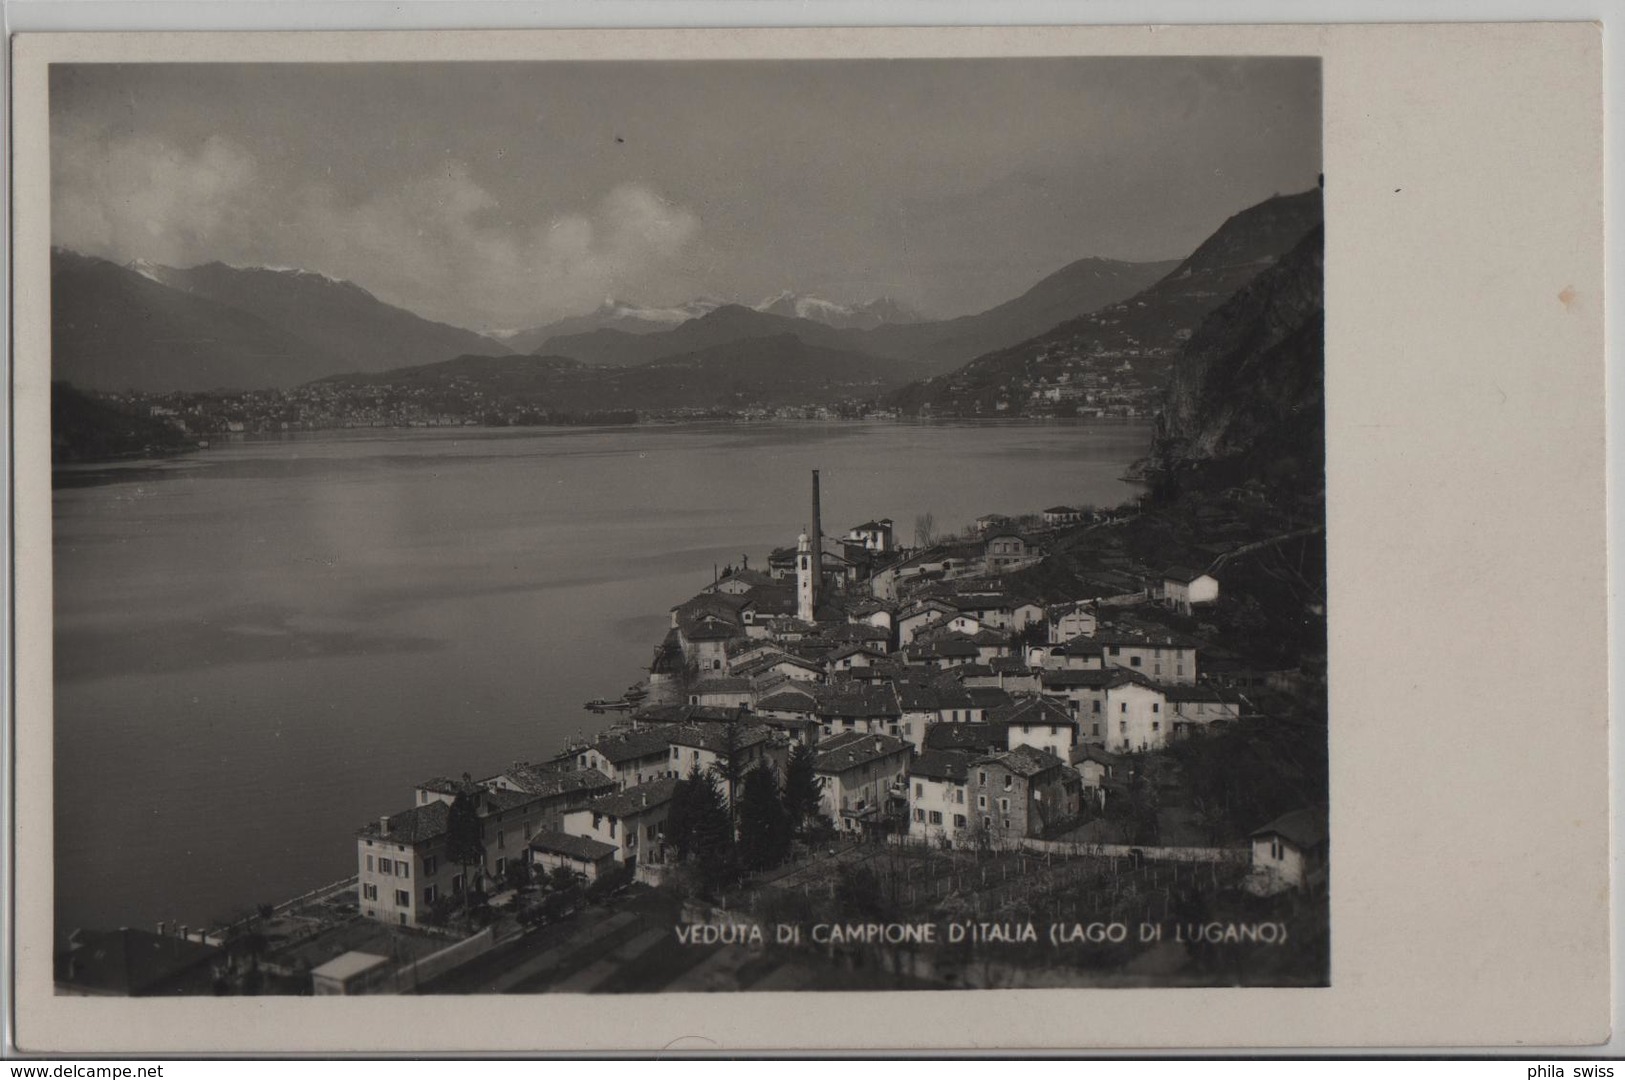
point(138, 196)
point(438, 244)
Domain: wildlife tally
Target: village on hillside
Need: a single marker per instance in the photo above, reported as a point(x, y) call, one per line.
point(1024, 723)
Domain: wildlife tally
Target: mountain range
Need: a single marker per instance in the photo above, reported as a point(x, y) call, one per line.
point(212, 327)
point(1130, 341)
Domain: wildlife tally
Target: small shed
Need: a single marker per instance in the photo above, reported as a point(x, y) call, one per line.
point(348, 973)
point(550, 849)
point(1289, 853)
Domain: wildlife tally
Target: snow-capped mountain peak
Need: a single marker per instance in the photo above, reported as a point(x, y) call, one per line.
point(862, 316)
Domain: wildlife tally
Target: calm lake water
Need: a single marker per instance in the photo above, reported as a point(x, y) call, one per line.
point(263, 646)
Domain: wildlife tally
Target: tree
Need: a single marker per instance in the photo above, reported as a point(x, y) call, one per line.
point(465, 836)
point(764, 827)
point(925, 529)
point(803, 792)
point(730, 769)
point(707, 835)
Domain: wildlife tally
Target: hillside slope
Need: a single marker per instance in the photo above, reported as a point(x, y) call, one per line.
point(113, 329)
point(339, 318)
point(1121, 353)
point(1246, 397)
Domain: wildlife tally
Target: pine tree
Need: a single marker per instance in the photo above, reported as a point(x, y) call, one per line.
point(802, 790)
point(764, 827)
point(710, 833)
point(465, 842)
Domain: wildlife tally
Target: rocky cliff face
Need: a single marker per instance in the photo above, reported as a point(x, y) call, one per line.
point(1246, 396)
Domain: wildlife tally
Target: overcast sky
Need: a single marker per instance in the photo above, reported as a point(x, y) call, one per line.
point(507, 195)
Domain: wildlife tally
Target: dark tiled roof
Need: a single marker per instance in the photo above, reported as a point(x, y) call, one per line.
point(940, 765)
point(854, 649)
point(787, 700)
point(749, 577)
point(1026, 760)
point(444, 785)
point(1096, 678)
point(635, 800)
point(860, 702)
point(1195, 693)
point(853, 748)
point(1060, 510)
point(1305, 828)
point(1008, 665)
point(1183, 574)
point(1090, 752)
point(576, 847)
point(547, 783)
point(714, 737)
point(988, 697)
point(1032, 710)
point(631, 745)
point(414, 826)
point(973, 737)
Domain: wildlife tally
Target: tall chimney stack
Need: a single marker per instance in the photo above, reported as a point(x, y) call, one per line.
point(817, 544)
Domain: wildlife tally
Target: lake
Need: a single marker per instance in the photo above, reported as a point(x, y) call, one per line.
point(265, 645)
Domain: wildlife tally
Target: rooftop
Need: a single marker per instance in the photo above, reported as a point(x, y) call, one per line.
point(1304, 828)
point(414, 826)
point(1032, 710)
point(576, 847)
point(1026, 760)
point(536, 780)
point(941, 765)
point(854, 748)
point(635, 800)
point(977, 738)
point(620, 746)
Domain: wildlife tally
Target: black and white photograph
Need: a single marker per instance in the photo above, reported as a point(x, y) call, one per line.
point(603, 527)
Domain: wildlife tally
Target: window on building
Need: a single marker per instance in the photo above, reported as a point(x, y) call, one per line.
point(981, 777)
point(429, 895)
point(1096, 707)
point(1156, 706)
point(430, 863)
point(1122, 727)
point(369, 864)
point(981, 802)
point(1123, 708)
point(987, 822)
point(456, 884)
point(1004, 806)
point(502, 866)
point(1006, 823)
point(919, 815)
point(369, 892)
point(959, 796)
point(936, 817)
point(1134, 661)
point(612, 828)
point(403, 898)
point(959, 821)
point(502, 835)
point(386, 867)
point(1095, 729)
